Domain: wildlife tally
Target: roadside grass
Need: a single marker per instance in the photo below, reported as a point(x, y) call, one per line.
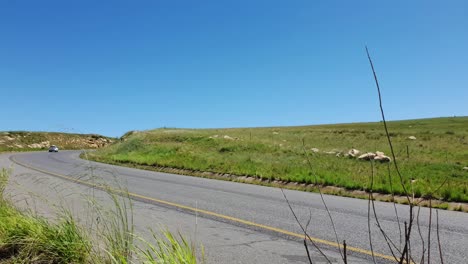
point(437, 155)
point(168, 249)
point(28, 238)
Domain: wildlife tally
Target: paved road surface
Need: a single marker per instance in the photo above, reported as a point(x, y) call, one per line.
point(236, 223)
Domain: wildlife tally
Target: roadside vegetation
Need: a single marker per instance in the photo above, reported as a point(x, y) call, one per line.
point(26, 237)
point(431, 152)
point(30, 141)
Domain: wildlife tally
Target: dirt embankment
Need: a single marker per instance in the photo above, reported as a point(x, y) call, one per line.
point(23, 141)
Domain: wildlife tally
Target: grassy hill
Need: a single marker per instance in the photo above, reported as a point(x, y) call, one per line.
point(28, 141)
point(437, 155)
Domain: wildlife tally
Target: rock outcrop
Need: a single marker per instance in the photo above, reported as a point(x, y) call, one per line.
point(377, 156)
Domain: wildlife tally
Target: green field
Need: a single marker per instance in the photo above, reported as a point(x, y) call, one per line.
point(437, 155)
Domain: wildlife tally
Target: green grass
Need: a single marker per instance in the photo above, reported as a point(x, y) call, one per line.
point(438, 154)
point(168, 249)
point(25, 238)
point(28, 238)
point(25, 140)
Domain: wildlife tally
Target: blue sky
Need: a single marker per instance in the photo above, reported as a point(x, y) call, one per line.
point(111, 66)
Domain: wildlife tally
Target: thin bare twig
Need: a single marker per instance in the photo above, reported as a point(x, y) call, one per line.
point(344, 252)
point(394, 203)
point(420, 235)
point(302, 227)
point(386, 129)
point(305, 237)
point(395, 163)
point(389, 242)
point(438, 238)
point(307, 250)
point(368, 212)
point(429, 233)
point(322, 198)
point(406, 233)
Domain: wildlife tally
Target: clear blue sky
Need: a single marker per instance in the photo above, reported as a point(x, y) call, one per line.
point(111, 66)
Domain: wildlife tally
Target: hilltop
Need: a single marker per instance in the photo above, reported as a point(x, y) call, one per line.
point(29, 141)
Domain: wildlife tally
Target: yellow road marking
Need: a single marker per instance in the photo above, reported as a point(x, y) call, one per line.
point(230, 218)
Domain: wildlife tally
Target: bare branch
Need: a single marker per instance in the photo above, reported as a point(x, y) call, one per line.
point(395, 163)
point(386, 129)
point(429, 234)
point(302, 227)
point(344, 252)
point(438, 238)
point(368, 212)
point(394, 203)
point(420, 235)
point(307, 250)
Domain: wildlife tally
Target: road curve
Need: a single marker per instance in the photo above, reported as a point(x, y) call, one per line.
point(263, 211)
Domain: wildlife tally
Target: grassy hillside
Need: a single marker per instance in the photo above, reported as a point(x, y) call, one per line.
point(438, 154)
point(27, 141)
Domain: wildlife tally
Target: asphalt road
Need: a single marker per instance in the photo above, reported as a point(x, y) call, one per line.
point(241, 223)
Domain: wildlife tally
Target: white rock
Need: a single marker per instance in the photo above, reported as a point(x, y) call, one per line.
point(382, 158)
point(412, 137)
point(367, 156)
point(315, 150)
point(379, 153)
point(352, 153)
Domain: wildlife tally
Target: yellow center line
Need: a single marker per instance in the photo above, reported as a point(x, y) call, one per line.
point(230, 218)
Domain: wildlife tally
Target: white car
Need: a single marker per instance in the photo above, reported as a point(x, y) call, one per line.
point(53, 148)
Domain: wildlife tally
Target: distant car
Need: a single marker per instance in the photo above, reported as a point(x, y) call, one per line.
point(53, 148)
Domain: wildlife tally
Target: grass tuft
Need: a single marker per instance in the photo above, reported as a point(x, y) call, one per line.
point(28, 238)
